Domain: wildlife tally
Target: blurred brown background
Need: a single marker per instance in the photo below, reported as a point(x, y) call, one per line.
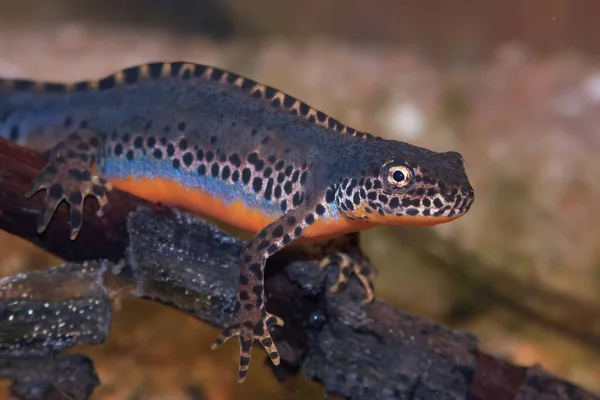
point(514, 85)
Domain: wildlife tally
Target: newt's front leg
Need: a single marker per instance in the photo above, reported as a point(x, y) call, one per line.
point(250, 319)
point(69, 176)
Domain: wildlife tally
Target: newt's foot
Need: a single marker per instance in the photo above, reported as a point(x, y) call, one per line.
point(68, 176)
point(249, 325)
point(352, 263)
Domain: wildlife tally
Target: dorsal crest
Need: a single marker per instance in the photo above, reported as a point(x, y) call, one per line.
point(186, 71)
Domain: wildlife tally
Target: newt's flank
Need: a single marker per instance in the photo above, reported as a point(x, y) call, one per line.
point(223, 146)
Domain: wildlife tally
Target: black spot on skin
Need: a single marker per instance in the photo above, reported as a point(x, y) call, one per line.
point(107, 83)
point(426, 202)
point(383, 198)
point(151, 141)
point(213, 140)
point(272, 248)
point(310, 218)
point(437, 203)
point(295, 176)
point(257, 184)
point(268, 190)
point(356, 198)
point(277, 192)
point(131, 75)
point(56, 191)
point(276, 102)
point(163, 141)
point(130, 155)
point(126, 138)
point(270, 93)
point(412, 212)
point(296, 200)
point(298, 231)
point(246, 175)
point(267, 172)
point(349, 205)
point(155, 70)
point(405, 202)
point(176, 163)
point(284, 205)
point(244, 297)
point(170, 150)
point(280, 177)
point(138, 143)
point(201, 170)
point(214, 170)
point(368, 184)
point(209, 156)
point(304, 109)
point(183, 144)
point(286, 239)
point(420, 191)
point(279, 165)
point(303, 178)
point(234, 159)
point(118, 150)
point(252, 158)
point(247, 84)
point(288, 188)
point(235, 176)
point(289, 170)
point(157, 153)
point(200, 155)
point(243, 280)
point(278, 231)
point(320, 209)
point(291, 220)
point(329, 196)
point(394, 202)
point(231, 77)
point(372, 195)
point(187, 159)
point(288, 101)
point(256, 270)
point(225, 172)
point(216, 74)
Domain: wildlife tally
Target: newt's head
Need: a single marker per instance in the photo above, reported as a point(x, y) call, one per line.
point(406, 185)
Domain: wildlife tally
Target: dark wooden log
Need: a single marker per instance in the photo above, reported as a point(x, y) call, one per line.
point(354, 351)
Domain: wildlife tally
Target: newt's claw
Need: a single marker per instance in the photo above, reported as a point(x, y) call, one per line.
point(352, 264)
point(68, 176)
point(249, 325)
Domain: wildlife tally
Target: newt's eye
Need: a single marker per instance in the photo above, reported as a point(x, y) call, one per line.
point(397, 176)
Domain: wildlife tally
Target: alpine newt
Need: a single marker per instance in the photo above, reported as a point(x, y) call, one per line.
point(223, 146)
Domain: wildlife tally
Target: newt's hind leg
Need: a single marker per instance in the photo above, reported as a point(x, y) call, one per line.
point(69, 176)
point(346, 253)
